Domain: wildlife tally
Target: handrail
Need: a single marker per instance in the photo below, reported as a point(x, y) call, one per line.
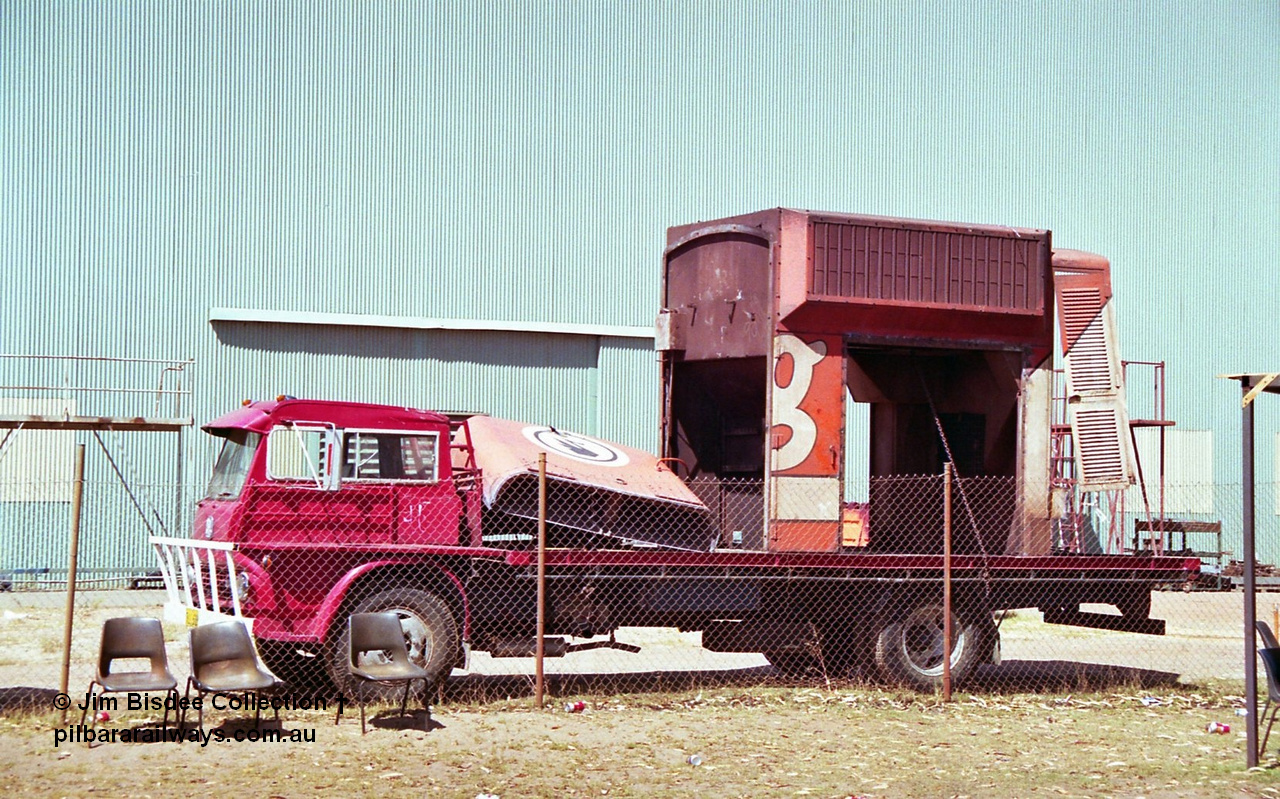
point(69, 376)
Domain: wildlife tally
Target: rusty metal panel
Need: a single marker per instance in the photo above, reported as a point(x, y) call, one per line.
point(717, 286)
point(988, 268)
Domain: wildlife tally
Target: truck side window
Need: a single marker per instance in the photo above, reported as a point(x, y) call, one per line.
point(296, 454)
point(383, 456)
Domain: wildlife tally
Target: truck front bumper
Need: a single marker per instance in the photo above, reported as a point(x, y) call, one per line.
point(200, 581)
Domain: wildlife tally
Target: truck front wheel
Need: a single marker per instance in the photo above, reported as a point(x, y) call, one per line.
point(430, 635)
point(909, 649)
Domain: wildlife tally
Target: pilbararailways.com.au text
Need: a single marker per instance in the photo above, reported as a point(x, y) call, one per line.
point(84, 734)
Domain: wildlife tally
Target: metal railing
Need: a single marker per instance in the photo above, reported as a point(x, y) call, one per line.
point(68, 376)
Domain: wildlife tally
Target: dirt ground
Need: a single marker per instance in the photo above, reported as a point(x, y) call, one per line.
point(1204, 641)
point(762, 741)
point(1069, 713)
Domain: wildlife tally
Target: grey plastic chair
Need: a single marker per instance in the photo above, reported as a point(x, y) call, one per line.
point(1268, 638)
point(224, 661)
point(382, 633)
point(133, 638)
point(1270, 654)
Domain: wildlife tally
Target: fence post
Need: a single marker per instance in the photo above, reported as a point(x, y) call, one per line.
point(946, 582)
point(540, 644)
point(77, 492)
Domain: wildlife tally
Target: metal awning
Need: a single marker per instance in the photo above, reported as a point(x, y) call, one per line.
point(69, 422)
point(1255, 383)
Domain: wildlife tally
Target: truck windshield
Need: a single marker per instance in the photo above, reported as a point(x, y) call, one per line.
point(232, 468)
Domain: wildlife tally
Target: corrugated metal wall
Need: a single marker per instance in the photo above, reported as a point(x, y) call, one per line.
point(503, 374)
point(519, 161)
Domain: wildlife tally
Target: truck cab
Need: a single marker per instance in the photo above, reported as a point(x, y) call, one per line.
point(297, 479)
point(367, 472)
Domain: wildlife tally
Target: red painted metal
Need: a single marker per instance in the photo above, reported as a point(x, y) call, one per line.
point(260, 417)
point(992, 270)
point(1097, 565)
point(867, 277)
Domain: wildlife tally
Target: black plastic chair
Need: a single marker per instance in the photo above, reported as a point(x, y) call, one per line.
point(1270, 654)
point(133, 638)
point(224, 661)
point(1268, 638)
point(382, 634)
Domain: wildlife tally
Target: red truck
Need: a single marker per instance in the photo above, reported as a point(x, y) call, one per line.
point(787, 339)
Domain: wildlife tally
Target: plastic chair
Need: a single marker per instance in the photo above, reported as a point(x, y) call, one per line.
point(1270, 654)
point(133, 638)
point(382, 633)
point(224, 661)
point(1268, 638)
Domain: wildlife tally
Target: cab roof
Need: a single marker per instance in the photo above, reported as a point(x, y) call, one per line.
point(260, 417)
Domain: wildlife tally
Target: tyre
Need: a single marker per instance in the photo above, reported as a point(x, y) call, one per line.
point(909, 649)
point(430, 634)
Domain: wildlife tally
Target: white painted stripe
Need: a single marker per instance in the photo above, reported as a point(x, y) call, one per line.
point(806, 498)
point(422, 323)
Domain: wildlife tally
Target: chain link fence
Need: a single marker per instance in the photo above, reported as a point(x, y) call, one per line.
point(642, 593)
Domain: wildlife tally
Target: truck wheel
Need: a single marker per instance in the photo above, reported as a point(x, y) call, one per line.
point(909, 648)
point(430, 634)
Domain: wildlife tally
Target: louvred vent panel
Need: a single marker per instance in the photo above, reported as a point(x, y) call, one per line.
point(1102, 455)
point(1088, 361)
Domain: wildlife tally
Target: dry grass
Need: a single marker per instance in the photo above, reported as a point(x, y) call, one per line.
point(1062, 724)
point(756, 742)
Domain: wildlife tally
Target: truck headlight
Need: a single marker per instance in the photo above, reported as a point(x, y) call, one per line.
point(244, 587)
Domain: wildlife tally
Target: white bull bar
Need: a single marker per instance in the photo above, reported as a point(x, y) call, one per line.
point(190, 570)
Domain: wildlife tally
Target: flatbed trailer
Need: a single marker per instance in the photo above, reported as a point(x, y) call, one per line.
point(787, 605)
point(777, 329)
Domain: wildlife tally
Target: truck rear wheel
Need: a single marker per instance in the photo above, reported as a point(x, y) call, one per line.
point(909, 649)
point(430, 635)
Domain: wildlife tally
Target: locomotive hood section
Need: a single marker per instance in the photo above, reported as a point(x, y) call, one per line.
point(610, 494)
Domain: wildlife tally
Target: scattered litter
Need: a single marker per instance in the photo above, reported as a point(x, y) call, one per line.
point(483, 795)
point(1218, 728)
point(1151, 701)
point(9, 615)
point(694, 760)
